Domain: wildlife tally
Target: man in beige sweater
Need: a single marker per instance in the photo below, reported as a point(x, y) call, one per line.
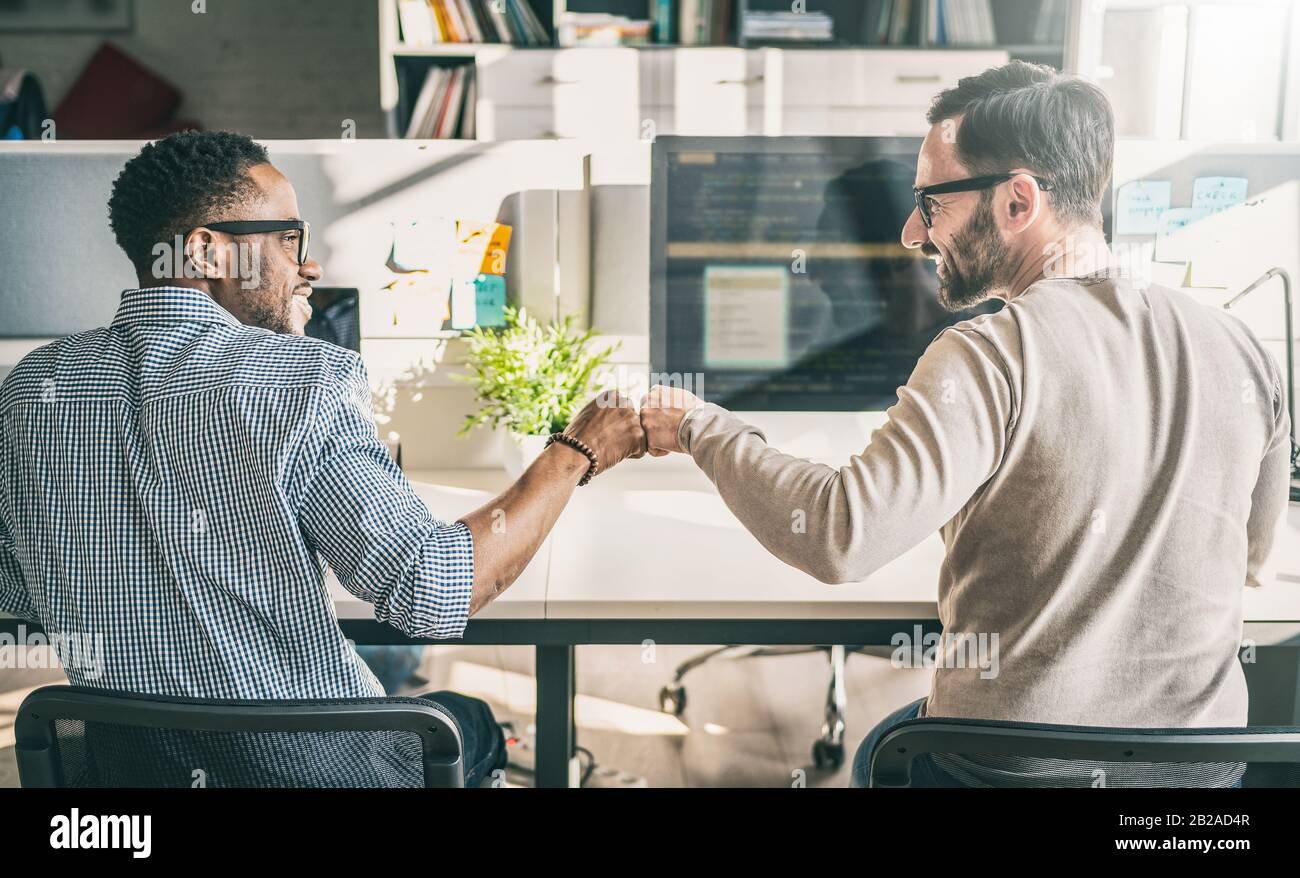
point(1104, 460)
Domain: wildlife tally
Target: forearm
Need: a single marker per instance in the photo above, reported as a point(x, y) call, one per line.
point(797, 509)
point(510, 529)
point(1268, 504)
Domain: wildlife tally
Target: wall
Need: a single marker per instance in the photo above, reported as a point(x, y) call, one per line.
point(268, 68)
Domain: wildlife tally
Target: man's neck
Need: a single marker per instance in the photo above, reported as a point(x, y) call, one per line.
point(1073, 252)
point(187, 283)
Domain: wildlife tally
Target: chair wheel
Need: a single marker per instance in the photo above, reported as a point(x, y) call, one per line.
point(827, 756)
point(672, 700)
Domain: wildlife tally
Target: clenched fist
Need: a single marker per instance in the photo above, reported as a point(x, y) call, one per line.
point(611, 427)
point(662, 411)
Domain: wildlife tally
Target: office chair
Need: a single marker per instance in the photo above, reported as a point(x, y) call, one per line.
point(1271, 753)
point(73, 736)
point(828, 750)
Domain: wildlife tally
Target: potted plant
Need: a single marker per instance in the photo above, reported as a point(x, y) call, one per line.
point(531, 380)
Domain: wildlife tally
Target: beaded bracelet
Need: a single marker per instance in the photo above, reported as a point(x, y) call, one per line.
point(578, 445)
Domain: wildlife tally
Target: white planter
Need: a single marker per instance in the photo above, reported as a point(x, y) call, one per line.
point(518, 452)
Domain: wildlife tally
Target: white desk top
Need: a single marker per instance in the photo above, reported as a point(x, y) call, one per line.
point(652, 540)
point(645, 544)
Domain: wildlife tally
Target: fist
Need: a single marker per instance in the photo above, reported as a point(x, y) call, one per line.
point(662, 412)
point(611, 427)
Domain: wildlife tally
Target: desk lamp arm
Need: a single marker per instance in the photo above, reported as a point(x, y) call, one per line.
point(1290, 360)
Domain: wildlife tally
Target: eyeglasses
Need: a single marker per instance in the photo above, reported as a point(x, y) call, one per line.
point(257, 227)
point(970, 184)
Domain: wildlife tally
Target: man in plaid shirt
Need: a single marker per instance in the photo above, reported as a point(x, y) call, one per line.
point(174, 483)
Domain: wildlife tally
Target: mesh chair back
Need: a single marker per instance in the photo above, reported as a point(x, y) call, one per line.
point(1004, 754)
point(70, 736)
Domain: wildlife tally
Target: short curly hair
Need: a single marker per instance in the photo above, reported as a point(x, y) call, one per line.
point(177, 184)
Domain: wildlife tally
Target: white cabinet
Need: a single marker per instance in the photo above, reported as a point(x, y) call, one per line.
point(543, 93)
point(714, 91)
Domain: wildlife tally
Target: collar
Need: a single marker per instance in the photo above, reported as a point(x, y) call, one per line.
point(170, 305)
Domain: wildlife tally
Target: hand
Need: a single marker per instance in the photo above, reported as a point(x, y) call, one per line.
point(611, 427)
point(662, 412)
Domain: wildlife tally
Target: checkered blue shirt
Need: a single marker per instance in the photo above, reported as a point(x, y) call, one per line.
point(172, 485)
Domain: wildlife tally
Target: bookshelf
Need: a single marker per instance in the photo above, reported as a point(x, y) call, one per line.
point(1041, 31)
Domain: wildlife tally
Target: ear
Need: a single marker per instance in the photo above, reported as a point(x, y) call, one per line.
point(205, 255)
point(1023, 205)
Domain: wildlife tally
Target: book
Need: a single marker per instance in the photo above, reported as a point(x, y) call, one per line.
point(662, 15)
point(428, 91)
point(416, 20)
point(534, 33)
point(473, 33)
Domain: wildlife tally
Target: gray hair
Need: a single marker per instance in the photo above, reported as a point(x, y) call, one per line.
point(1028, 115)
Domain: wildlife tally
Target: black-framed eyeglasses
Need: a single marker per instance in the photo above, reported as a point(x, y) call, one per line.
point(258, 227)
point(970, 184)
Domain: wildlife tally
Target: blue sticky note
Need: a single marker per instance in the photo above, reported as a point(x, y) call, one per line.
point(1176, 249)
point(1138, 206)
point(1179, 217)
point(1218, 193)
point(490, 299)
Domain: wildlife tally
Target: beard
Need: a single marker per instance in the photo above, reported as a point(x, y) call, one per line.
point(270, 314)
point(981, 253)
point(265, 307)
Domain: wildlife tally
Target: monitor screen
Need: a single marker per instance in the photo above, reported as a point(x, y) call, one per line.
point(335, 317)
point(778, 278)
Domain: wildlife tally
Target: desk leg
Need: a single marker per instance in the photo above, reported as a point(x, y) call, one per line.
point(555, 727)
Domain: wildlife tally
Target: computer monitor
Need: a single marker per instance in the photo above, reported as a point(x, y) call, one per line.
point(778, 278)
point(335, 317)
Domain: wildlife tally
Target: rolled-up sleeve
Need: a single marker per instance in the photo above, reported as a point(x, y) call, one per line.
point(14, 598)
point(364, 518)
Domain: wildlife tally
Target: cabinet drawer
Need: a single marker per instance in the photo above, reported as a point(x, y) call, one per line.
point(538, 77)
point(738, 120)
point(704, 73)
point(912, 79)
point(877, 77)
point(853, 122)
point(564, 120)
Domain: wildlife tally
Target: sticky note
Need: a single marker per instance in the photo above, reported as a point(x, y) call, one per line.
point(490, 300)
point(1171, 246)
point(481, 247)
point(421, 245)
point(1138, 206)
point(1218, 193)
point(463, 305)
point(746, 320)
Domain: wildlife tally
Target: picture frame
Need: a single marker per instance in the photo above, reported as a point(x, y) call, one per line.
point(100, 16)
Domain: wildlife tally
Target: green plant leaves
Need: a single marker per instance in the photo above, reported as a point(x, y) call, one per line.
point(529, 378)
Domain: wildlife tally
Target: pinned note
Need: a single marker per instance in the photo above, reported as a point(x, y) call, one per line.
point(490, 300)
point(746, 322)
point(421, 245)
point(1218, 193)
point(1138, 206)
point(1171, 246)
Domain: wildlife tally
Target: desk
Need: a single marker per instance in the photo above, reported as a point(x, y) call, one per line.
point(649, 552)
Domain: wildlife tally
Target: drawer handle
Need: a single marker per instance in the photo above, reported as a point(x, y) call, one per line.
point(551, 80)
point(752, 80)
point(931, 77)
